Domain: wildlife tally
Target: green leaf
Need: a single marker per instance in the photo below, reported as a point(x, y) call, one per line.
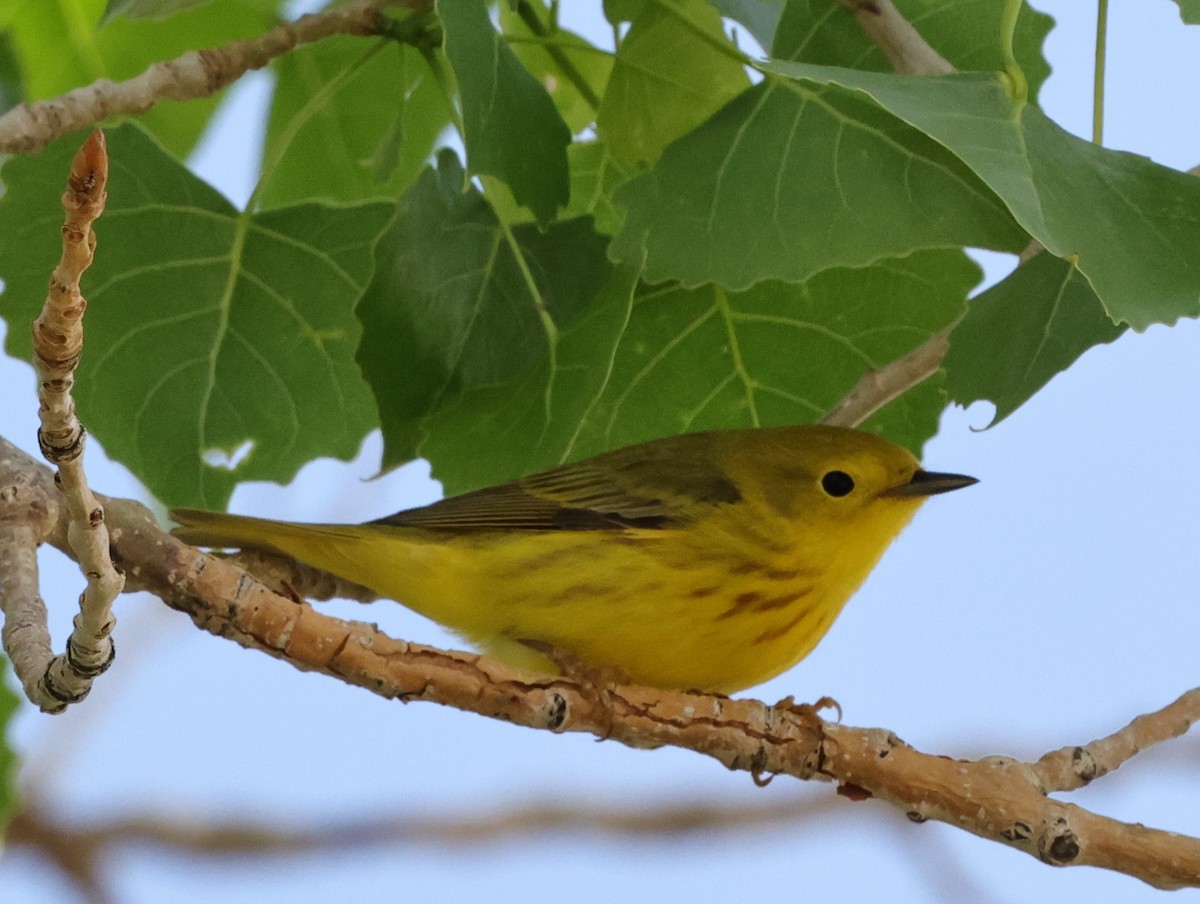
point(1189, 11)
point(782, 183)
point(12, 90)
point(1021, 332)
point(9, 702)
point(1057, 186)
point(777, 353)
point(350, 120)
point(676, 360)
point(460, 300)
point(669, 76)
point(759, 17)
point(575, 91)
point(208, 331)
point(987, 138)
point(966, 34)
point(59, 47)
point(618, 11)
point(595, 175)
point(146, 9)
point(1150, 214)
point(534, 420)
point(511, 128)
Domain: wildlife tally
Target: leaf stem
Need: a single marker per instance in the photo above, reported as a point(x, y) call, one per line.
point(535, 24)
point(721, 302)
point(1017, 85)
point(535, 293)
point(549, 41)
point(543, 311)
point(1098, 78)
point(434, 62)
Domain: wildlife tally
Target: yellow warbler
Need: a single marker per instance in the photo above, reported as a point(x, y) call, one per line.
point(708, 561)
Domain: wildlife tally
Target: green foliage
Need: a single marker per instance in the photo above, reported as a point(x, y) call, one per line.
point(594, 176)
point(965, 34)
point(1189, 11)
point(666, 237)
point(571, 69)
point(1057, 186)
point(1022, 331)
point(10, 75)
point(59, 46)
point(350, 120)
point(147, 9)
point(207, 328)
point(672, 71)
point(511, 127)
point(759, 17)
point(461, 300)
point(782, 183)
point(665, 360)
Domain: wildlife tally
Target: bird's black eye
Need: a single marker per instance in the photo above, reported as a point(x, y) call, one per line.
point(837, 483)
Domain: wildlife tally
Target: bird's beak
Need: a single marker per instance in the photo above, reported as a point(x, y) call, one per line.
point(930, 483)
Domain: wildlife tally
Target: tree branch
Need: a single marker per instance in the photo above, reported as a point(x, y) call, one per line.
point(892, 33)
point(1074, 767)
point(878, 386)
point(908, 53)
point(997, 798)
point(80, 851)
point(69, 843)
point(53, 682)
point(27, 128)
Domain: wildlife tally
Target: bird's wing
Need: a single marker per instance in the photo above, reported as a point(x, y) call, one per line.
point(655, 485)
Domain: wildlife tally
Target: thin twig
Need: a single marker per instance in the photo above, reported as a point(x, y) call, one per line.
point(879, 386)
point(900, 42)
point(70, 842)
point(1002, 799)
point(27, 128)
point(1073, 767)
point(53, 682)
point(558, 54)
point(908, 53)
point(24, 519)
point(80, 852)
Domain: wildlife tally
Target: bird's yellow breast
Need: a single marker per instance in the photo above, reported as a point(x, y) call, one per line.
point(719, 607)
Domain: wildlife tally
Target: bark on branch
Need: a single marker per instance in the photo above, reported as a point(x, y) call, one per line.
point(27, 128)
point(998, 798)
point(53, 682)
point(903, 45)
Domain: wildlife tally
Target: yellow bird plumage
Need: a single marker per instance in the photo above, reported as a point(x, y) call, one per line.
point(709, 561)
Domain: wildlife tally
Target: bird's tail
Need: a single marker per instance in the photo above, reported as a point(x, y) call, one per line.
point(201, 528)
point(337, 548)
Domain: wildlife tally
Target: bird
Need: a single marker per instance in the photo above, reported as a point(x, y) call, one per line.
point(709, 561)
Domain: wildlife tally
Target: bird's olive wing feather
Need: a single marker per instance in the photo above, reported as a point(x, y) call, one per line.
point(660, 484)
